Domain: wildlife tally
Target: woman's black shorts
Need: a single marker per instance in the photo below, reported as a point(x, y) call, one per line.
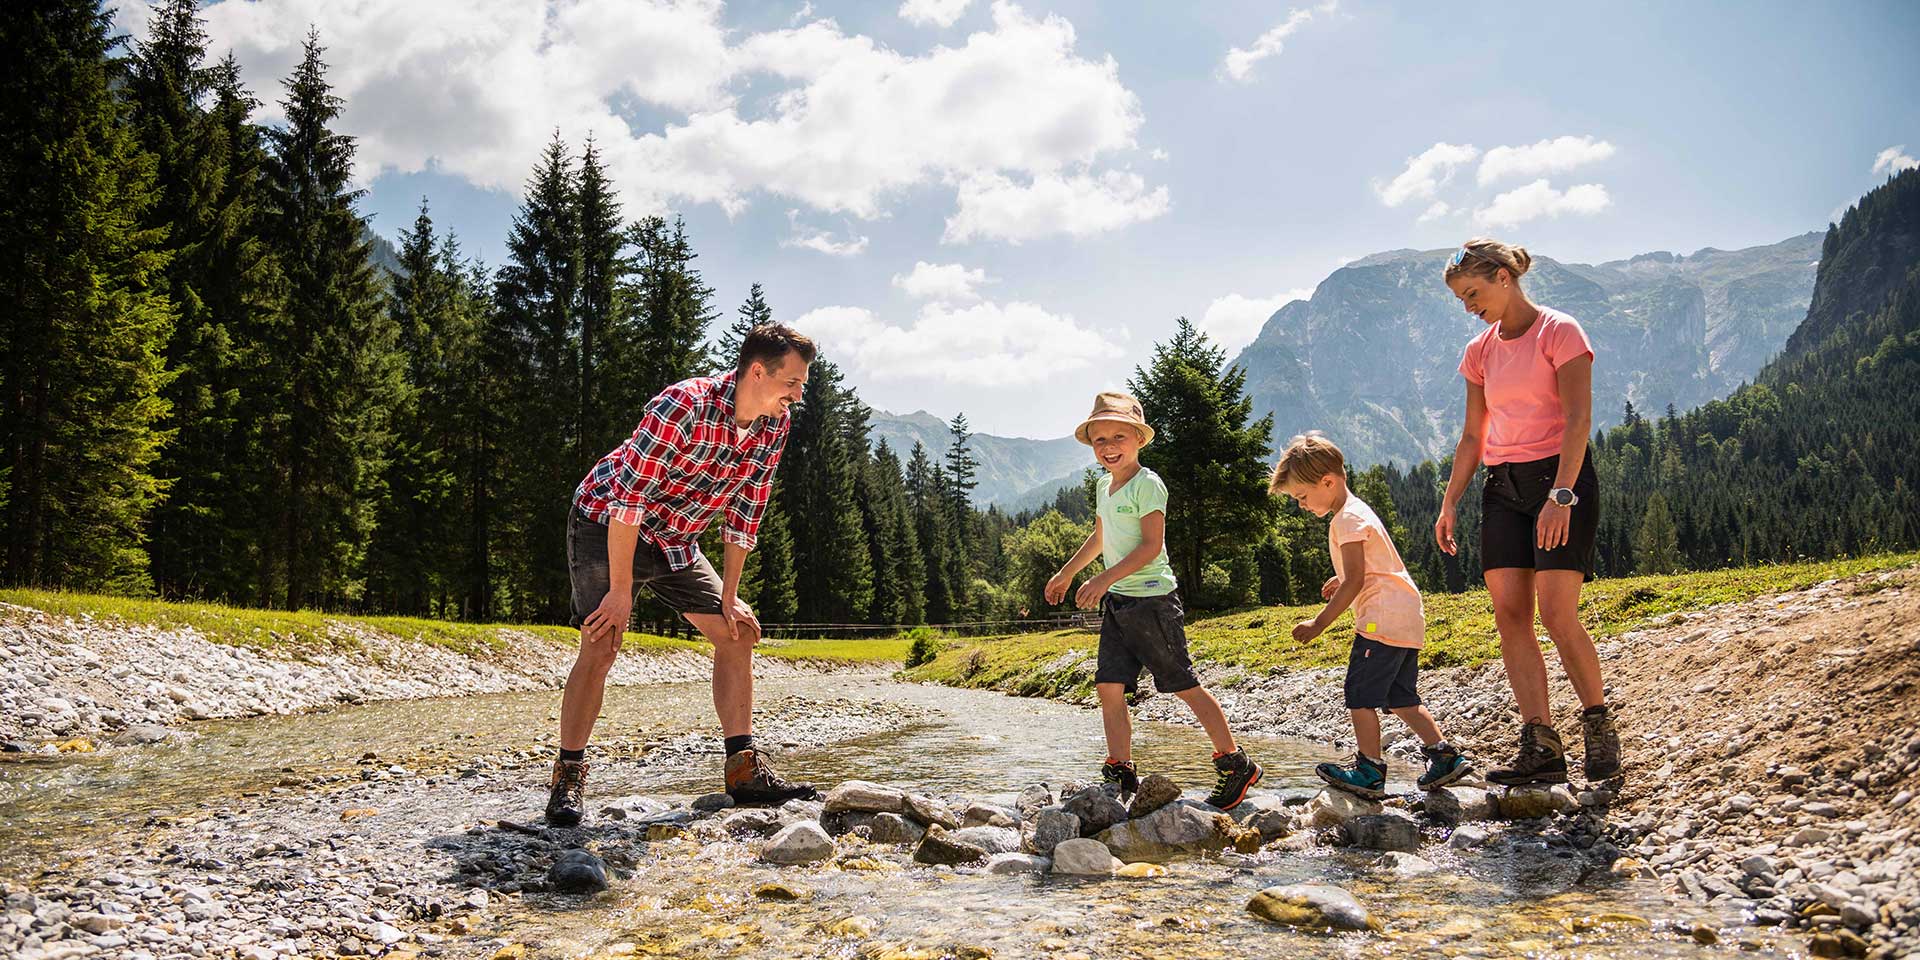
point(1510, 506)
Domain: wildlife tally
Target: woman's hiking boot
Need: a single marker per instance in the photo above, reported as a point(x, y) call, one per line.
point(1602, 757)
point(1236, 774)
point(1444, 765)
point(1540, 760)
point(1360, 776)
point(1120, 775)
point(751, 781)
point(567, 794)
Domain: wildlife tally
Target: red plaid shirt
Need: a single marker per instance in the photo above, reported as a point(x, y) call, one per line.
point(682, 465)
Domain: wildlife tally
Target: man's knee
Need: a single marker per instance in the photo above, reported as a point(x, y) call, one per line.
point(597, 656)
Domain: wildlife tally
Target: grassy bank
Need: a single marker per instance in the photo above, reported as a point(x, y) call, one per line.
point(297, 631)
point(1460, 629)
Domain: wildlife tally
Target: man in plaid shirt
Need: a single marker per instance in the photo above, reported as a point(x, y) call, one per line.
point(706, 447)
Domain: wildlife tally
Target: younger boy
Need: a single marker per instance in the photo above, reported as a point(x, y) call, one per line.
point(1390, 623)
point(1141, 622)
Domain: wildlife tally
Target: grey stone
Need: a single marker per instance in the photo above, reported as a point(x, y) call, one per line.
point(1383, 831)
point(1083, 857)
point(1051, 826)
point(141, 733)
point(991, 839)
point(1467, 836)
point(894, 828)
point(1407, 864)
point(863, 796)
point(1177, 828)
point(803, 842)
point(757, 821)
point(839, 823)
point(1331, 808)
point(1451, 806)
point(1265, 812)
point(712, 802)
point(1017, 863)
point(940, 847)
point(1098, 808)
point(1311, 906)
point(1527, 803)
point(1155, 791)
point(927, 811)
point(577, 871)
point(1032, 800)
point(989, 815)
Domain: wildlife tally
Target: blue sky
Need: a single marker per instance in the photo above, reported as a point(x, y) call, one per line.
point(1074, 175)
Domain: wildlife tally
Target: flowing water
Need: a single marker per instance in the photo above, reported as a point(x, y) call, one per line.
point(689, 898)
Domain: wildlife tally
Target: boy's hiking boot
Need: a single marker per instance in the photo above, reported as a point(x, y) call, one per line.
point(1444, 765)
point(1541, 760)
point(1602, 758)
point(751, 781)
point(567, 794)
point(1360, 776)
point(1236, 775)
point(1121, 775)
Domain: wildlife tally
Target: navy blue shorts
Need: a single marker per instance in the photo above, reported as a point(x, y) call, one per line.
point(1379, 675)
point(1144, 632)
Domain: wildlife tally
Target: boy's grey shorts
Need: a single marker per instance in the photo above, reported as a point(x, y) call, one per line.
point(695, 589)
point(1148, 632)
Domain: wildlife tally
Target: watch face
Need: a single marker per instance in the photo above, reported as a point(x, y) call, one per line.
point(1563, 497)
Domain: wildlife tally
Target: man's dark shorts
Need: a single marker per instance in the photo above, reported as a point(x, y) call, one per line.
point(1381, 675)
point(695, 589)
point(1147, 632)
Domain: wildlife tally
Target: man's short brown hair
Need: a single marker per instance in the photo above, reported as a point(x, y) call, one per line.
point(1307, 458)
point(769, 343)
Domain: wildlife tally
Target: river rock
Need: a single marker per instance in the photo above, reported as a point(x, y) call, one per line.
point(1451, 806)
point(991, 839)
point(757, 821)
point(1527, 803)
point(1383, 831)
point(1083, 857)
point(1032, 800)
point(1155, 791)
point(1331, 808)
point(1467, 836)
point(928, 812)
point(577, 871)
point(1266, 813)
point(1051, 826)
point(863, 796)
point(940, 847)
point(1017, 863)
point(1177, 828)
point(839, 823)
point(1407, 864)
point(141, 733)
point(989, 815)
point(894, 828)
point(1098, 808)
point(803, 842)
point(1311, 906)
point(712, 802)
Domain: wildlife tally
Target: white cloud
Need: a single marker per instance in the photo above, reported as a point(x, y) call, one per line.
point(1239, 63)
point(809, 238)
point(940, 13)
point(993, 206)
point(1892, 160)
point(1233, 321)
point(945, 282)
point(1426, 173)
point(475, 88)
point(981, 345)
point(1540, 199)
point(1547, 156)
point(1436, 210)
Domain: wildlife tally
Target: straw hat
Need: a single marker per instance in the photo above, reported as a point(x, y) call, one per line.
point(1118, 408)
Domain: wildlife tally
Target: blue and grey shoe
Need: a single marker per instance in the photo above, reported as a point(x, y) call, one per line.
point(1360, 776)
point(1444, 765)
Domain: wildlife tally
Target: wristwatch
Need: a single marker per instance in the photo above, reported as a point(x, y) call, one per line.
point(1563, 496)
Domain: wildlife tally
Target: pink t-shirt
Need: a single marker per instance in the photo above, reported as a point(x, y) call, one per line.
point(1524, 419)
point(1388, 608)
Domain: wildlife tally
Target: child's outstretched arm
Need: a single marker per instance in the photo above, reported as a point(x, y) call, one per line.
point(1353, 560)
point(1153, 538)
point(1057, 587)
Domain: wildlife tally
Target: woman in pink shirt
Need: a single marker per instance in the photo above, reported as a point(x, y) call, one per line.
point(1529, 407)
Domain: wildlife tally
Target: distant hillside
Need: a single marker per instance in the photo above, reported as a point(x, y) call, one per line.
point(1014, 471)
point(1372, 357)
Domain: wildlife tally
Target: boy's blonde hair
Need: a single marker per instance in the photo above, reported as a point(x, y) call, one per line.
point(1308, 457)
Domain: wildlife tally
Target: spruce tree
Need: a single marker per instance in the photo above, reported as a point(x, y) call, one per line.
point(602, 269)
point(753, 312)
point(927, 498)
point(962, 530)
point(1657, 545)
point(832, 563)
point(1276, 576)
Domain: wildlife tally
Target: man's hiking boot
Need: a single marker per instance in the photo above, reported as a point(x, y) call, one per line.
point(567, 794)
point(1444, 765)
point(1121, 775)
point(751, 781)
point(1541, 759)
point(1602, 757)
point(1359, 776)
point(1236, 775)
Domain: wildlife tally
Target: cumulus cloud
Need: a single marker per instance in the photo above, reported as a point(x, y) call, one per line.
point(1239, 63)
point(820, 241)
point(939, 13)
point(995, 207)
point(1892, 160)
point(1426, 173)
point(981, 345)
point(1436, 210)
point(1547, 156)
point(945, 282)
point(1540, 199)
point(1233, 321)
point(475, 88)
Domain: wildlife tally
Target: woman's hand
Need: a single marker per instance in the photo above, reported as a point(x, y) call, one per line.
point(1550, 530)
point(1443, 529)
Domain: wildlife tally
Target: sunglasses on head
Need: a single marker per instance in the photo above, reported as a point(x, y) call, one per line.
point(1460, 256)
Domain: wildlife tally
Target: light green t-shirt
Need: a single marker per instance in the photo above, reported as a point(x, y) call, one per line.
point(1120, 515)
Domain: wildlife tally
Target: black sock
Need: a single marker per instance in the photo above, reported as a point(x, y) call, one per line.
point(580, 754)
point(1599, 710)
point(735, 744)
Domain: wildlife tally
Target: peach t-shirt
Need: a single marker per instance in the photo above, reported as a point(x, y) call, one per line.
point(1388, 608)
point(1524, 419)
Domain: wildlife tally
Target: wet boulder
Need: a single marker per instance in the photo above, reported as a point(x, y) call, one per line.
point(1098, 808)
point(1051, 826)
point(989, 815)
point(1451, 806)
point(894, 828)
point(1032, 800)
point(839, 823)
point(1526, 803)
point(1178, 828)
point(1155, 791)
point(757, 822)
point(928, 812)
point(1017, 863)
point(577, 871)
point(859, 795)
point(803, 842)
point(1084, 857)
point(1331, 808)
point(940, 847)
point(1391, 830)
point(1266, 813)
point(990, 839)
point(1311, 906)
